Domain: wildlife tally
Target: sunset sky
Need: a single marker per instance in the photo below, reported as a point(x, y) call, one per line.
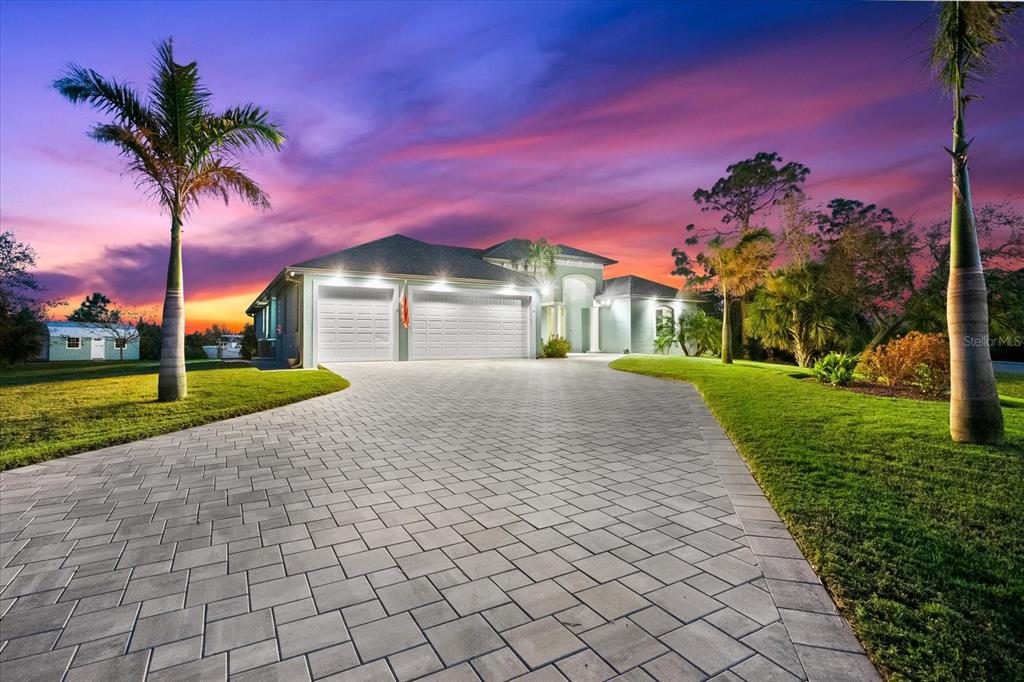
point(589, 124)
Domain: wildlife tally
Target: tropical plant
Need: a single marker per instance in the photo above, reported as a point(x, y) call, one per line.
point(899, 362)
point(668, 333)
point(696, 330)
point(966, 36)
point(705, 331)
point(795, 312)
point(556, 347)
point(733, 270)
point(180, 152)
point(539, 258)
point(835, 368)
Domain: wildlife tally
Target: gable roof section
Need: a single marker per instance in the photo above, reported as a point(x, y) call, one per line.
point(631, 285)
point(516, 249)
point(401, 255)
point(82, 329)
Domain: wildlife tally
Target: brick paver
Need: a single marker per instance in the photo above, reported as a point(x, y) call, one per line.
point(454, 520)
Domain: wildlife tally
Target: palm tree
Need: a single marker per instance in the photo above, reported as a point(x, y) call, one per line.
point(539, 258)
point(795, 312)
point(180, 151)
point(966, 35)
point(738, 270)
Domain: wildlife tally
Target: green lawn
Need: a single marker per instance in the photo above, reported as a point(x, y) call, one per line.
point(920, 541)
point(56, 409)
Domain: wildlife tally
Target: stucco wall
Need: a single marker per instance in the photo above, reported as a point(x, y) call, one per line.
point(614, 326)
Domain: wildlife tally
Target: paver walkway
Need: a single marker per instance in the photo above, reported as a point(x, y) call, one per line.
point(470, 520)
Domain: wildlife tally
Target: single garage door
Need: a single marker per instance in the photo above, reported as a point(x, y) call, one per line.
point(354, 324)
point(456, 326)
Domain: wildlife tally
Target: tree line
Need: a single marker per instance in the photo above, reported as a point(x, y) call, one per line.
point(843, 277)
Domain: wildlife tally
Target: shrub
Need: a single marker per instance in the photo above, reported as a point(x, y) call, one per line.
point(835, 368)
point(555, 347)
point(918, 360)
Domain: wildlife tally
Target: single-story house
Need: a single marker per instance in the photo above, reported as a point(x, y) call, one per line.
point(83, 341)
point(399, 298)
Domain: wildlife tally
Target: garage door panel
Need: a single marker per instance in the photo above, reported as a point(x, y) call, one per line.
point(354, 324)
point(454, 326)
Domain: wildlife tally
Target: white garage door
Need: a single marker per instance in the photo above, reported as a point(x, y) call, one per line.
point(354, 324)
point(456, 326)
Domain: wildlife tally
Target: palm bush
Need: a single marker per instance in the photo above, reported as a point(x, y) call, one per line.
point(794, 312)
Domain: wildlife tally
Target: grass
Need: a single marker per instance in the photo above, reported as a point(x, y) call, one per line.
point(920, 541)
point(57, 409)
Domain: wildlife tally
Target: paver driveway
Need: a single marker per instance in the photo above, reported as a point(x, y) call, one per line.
point(471, 519)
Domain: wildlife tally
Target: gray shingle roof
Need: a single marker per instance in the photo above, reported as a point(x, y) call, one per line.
point(515, 249)
point(631, 285)
point(401, 255)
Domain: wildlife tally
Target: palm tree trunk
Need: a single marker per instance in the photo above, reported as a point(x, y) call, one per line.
point(726, 329)
point(974, 413)
point(744, 332)
point(171, 385)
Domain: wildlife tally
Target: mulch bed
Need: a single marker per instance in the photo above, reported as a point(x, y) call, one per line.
point(893, 391)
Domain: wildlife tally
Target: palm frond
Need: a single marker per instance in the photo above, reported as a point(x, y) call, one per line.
point(964, 41)
point(142, 160)
point(79, 84)
point(180, 101)
point(217, 178)
point(240, 128)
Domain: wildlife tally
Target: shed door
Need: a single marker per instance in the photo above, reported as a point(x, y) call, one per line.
point(98, 347)
point(468, 325)
point(354, 324)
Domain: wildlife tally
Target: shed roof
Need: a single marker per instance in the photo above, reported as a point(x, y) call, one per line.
point(82, 329)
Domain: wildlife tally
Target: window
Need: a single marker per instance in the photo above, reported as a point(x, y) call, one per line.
point(74, 342)
point(119, 343)
point(662, 316)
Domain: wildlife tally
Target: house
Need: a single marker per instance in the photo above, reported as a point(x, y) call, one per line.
point(82, 341)
point(462, 303)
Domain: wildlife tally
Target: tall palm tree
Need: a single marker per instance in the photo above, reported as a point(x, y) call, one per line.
point(180, 151)
point(738, 270)
point(966, 35)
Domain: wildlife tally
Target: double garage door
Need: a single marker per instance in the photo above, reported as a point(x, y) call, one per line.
point(359, 324)
point(454, 326)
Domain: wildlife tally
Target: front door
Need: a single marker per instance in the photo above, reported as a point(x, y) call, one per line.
point(98, 347)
